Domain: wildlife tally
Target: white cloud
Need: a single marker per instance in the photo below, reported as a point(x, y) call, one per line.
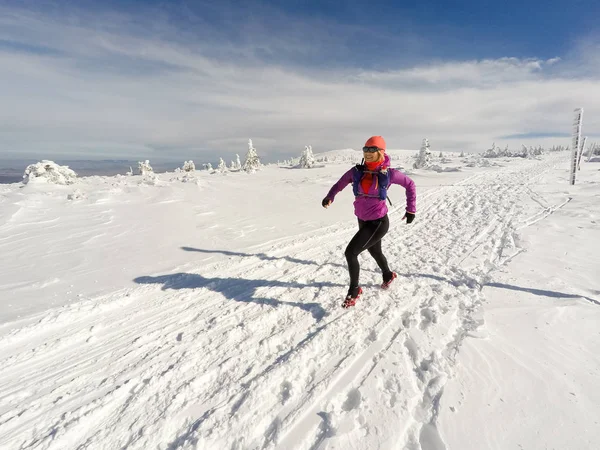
point(70, 86)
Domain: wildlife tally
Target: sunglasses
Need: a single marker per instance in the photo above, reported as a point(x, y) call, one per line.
point(371, 149)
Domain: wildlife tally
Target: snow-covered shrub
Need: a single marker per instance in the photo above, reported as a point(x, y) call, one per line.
point(145, 168)
point(130, 173)
point(307, 159)
point(424, 156)
point(185, 177)
point(558, 148)
point(529, 152)
point(480, 162)
point(493, 152)
point(221, 168)
point(252, 162)
point(76, 195)
point(188, 166)
point(440, 169)
point(50, 172)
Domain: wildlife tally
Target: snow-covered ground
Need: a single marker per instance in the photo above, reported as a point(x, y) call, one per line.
point(204, 312)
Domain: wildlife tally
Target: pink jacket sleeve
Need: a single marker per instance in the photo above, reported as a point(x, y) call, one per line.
point(398, 177)
point(341, 184)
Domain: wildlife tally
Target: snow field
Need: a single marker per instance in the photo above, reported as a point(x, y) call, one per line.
point(253, 350)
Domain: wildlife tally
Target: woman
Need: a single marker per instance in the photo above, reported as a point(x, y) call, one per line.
point(370, 182)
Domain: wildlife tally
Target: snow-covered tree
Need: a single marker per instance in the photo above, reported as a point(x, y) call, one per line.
point(492, 152)
point(188, 166)
point(252, 163)
point(462, 154)
point(49, 172)
point(441, 155)
point(424, 157)
point(307, 159)
point(222, 167)
point(145, 168)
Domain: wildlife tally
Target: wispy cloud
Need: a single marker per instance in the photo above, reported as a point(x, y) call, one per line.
point(115, 84)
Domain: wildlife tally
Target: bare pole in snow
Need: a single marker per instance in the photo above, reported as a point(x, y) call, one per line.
point(575, 143)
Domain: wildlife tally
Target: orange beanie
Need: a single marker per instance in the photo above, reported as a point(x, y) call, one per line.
point(375, 141)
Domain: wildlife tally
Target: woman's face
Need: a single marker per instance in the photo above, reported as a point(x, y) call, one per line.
point(372, 157)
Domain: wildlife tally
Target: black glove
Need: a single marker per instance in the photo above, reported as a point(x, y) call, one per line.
point(409, 217)
point(326, 202)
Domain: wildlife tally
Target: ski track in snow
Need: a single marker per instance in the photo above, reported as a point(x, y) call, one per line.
point(255, 352)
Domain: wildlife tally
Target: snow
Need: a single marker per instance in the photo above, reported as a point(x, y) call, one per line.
point(139, 313)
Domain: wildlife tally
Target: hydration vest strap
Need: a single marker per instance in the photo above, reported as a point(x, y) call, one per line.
point(382, 181)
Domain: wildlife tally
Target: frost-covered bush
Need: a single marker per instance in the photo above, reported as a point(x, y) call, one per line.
point(144, 168)
point(525, 152)
point(558, 148)
point(252, 163)
point(50, 172)
point(307, 159)
point(497, 152)
point(188, 166)
point(221, 168)
point(236, 165)
point(424, 156)
point(185, 177)
point(440, 169)
point(539, 150)
point(493, 152)
point(76, 195)
point(529, 152)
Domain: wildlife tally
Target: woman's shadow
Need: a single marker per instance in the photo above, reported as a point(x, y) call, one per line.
point(262, 256)
point(238, 289)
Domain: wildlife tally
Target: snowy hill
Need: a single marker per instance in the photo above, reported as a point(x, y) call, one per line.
point(203, 311)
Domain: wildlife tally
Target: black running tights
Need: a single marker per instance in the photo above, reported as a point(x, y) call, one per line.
point(368, 237)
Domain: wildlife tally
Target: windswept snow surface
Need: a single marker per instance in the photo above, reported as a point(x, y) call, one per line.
point(206, 314)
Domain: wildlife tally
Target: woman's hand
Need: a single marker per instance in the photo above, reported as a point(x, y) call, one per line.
point(409, 217)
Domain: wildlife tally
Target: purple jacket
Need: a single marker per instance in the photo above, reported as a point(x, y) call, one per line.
point(372, 208)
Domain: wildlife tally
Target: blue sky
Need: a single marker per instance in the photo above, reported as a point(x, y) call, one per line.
point(182, 79)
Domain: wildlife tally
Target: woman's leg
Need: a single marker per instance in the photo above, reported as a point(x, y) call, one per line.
point(380, 259)
point(377, 253)
point(369, 234)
